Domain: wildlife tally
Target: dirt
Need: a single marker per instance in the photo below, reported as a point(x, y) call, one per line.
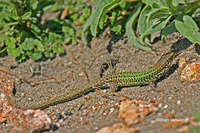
point(92, 112)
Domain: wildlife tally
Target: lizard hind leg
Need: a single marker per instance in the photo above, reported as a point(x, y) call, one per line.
point(113, 88)
point(154, 87)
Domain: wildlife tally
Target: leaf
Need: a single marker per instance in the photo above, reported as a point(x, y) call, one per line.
point(154, 3)
point(71, 32)
point(156, 9)
point(58, 48)
point(74, 17)
point(12, 50)
point(8, 13)
point(196, 13)
point(15, 52)
point(33, 19)
point(10, 24)
point(148, 2)
point(53, 37)
point(34, 5)
point(159, 4)
point(183, 5)
point(34, 54)
point(21, 57)
point(34, 29)
point(48, 53)
point(124, 4)
point(114, 14)
point(168, 30)
point(65, 29)
point(39, 45)
point(101, 25)
point(27, 15)
point(159, 13)
point(143, 24)
point(197, 116)
point(27, 44)
point(46, 5)
point(117, 29)
point(68, 31)
point(10, 41)
point(74, 40)
point(187, 27)
point(131, 33)
point(54, 23)
point(160, 24)
point(3, 37)
point(85, 32)
point(102, 8)
point(153, 10)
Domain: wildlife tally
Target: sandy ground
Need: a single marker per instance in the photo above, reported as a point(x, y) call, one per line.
point(91, 112)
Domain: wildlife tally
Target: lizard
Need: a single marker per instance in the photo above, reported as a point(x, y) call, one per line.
point(120, 79)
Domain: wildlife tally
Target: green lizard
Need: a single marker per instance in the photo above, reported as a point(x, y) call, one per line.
point(121, 79)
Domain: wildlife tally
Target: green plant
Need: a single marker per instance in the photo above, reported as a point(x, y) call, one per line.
point(25, 36)
point(18, 23)
point(148, 16)
point(196, 129)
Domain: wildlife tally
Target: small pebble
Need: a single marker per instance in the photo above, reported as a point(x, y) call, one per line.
point(160, 105)
point(178, 102)
point(29, 99)
point(166, 106)
point(111, 110)
point(59, 116)
point(58, 124)
point(153, 122)
point(68, 113)
point(95, 128)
